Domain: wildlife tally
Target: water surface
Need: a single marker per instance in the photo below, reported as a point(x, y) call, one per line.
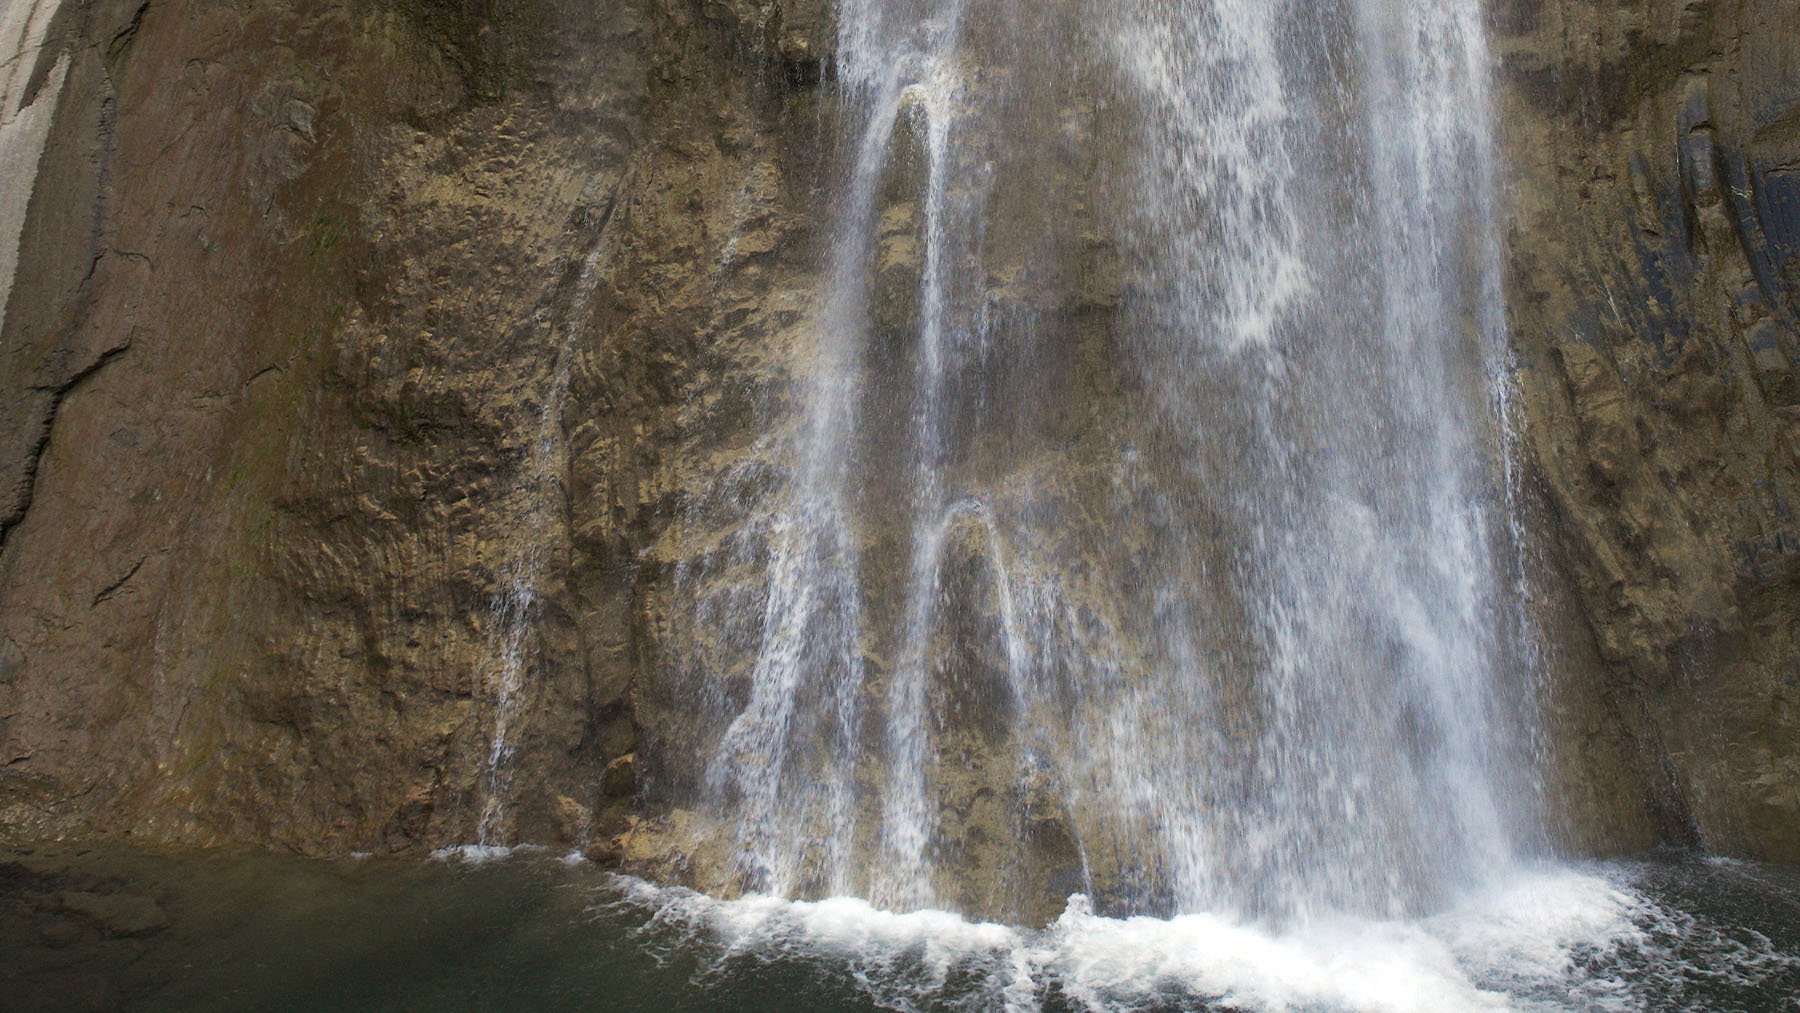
point(535, 931)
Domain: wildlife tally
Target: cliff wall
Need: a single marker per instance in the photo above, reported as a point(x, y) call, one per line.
point(319, 305)
point(1655, 270)
point(361, 356)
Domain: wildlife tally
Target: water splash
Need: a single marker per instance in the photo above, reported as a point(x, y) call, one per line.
point(1537, 939)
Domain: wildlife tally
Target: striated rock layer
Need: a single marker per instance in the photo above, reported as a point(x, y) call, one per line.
point(1655, 273)
point(336, 325)
point(367, 367)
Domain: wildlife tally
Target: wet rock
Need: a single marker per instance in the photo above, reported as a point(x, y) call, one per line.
point(387, 221)
point(1656, 336)
point(620, 780)
point(12, 661)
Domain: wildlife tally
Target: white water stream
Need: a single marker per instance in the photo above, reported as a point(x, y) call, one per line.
point(1251, 645)
point(24, 126)
point(1147, 549)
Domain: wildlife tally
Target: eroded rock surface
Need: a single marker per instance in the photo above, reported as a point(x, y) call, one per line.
point(1655, 269)
point(338, 324)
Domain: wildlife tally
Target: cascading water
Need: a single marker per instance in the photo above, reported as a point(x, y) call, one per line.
point(1144, 529)
point(1124, 613)
point(513, 609)
point(1153, 544)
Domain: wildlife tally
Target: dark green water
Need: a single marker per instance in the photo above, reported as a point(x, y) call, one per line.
point(121, 930)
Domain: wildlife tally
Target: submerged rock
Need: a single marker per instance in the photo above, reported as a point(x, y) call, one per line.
point(117, 914)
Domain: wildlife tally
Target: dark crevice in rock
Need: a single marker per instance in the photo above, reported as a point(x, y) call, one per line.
point(34, 457)
point(113, 588)
point(124, 37)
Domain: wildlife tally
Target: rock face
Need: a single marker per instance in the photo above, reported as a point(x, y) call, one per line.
point(1655, 270)
point(337, 370)
point(364, 359)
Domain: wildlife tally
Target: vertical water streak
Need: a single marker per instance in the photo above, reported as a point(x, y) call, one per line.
point(906, 822)
point(513, 610)
point(24, 125)
point(900, 84)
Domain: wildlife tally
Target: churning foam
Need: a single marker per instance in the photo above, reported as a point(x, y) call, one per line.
point(479, 854)
point(1545, 939)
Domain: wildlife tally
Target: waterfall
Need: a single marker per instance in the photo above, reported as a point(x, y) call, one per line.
point(513, 610)
point(1145, 530)
point(24, 125)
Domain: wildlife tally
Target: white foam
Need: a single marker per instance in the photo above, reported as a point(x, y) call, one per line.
point(478, 854)
point(1524, 930)
point(1104, 963)
point(1549, 938)
point(896, 957)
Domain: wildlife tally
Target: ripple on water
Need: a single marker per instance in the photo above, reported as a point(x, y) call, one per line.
point(486, 928)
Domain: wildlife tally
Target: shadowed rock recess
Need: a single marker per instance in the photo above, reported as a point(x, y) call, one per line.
point(384, 385)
